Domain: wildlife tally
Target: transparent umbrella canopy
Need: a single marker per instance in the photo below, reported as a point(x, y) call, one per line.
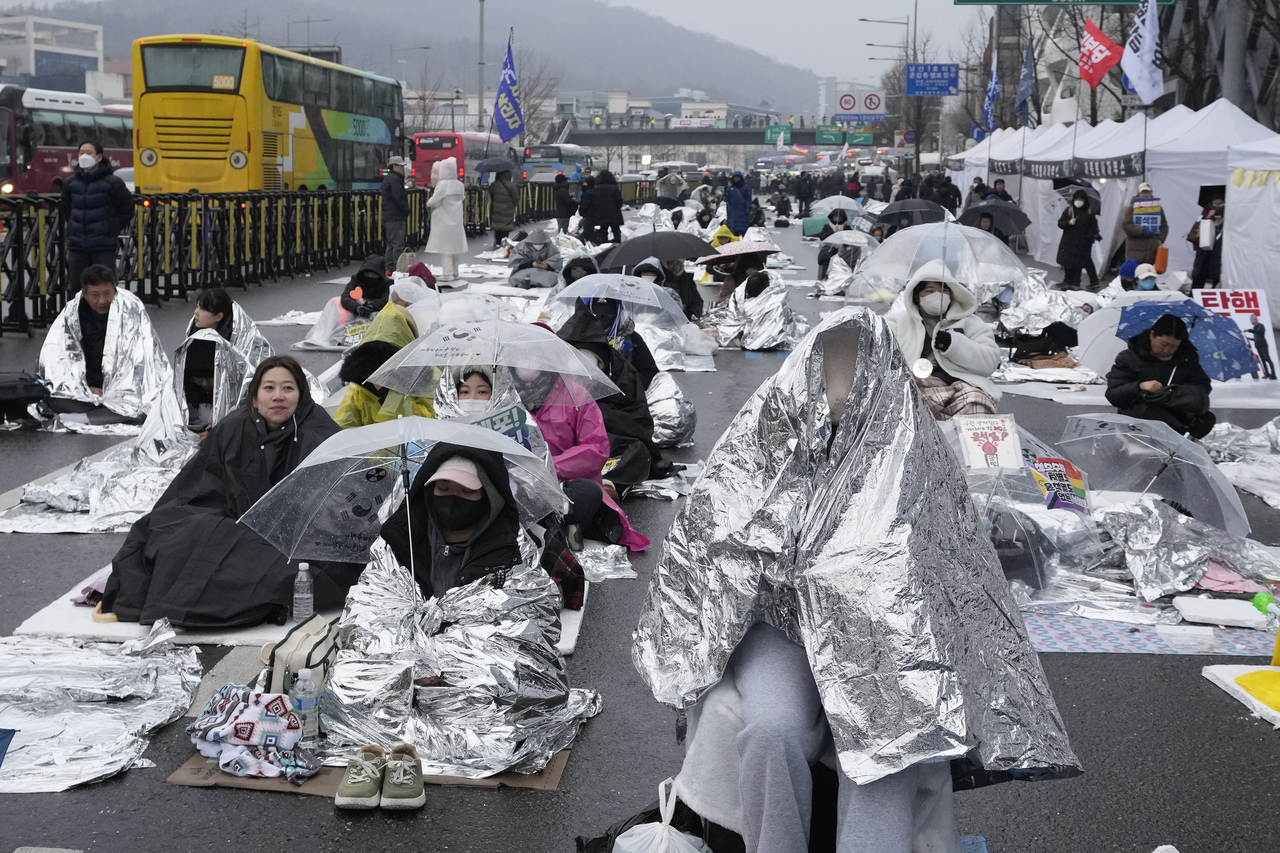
point(647, 302)
point(824, 206)
point(524, 348)
point(861, 239)
point(331, 507)
point(1125, 454)
point(978, 260)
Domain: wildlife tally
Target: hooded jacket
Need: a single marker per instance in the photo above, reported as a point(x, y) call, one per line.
point(524, 254)
point(96, 206)
point(362, 404)
point(859, 541)
point(504, 201)
point(375, 288)
point(670, 185)
point(1136, 364)
point(606, 201)
point(586, 263)
point(972, 355)
point(448, 230)
point(683, 286)
point(493, 546)
point(737, 197)
point(1076, 247)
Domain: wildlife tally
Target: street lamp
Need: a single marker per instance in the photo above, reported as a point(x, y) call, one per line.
point(308, 20)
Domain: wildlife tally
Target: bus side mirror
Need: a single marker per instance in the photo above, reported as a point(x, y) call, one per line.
point(24, 141)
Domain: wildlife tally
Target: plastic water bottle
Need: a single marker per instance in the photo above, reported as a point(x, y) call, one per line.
point(303, 594)
point(305, 696)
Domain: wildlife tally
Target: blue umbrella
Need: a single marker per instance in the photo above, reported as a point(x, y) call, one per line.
point(1219, 341)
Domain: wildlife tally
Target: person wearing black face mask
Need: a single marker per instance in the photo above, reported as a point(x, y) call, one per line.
point(463, 520)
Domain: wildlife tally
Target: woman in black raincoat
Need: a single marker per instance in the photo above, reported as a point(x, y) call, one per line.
point(188, 560)
point(1075, 251)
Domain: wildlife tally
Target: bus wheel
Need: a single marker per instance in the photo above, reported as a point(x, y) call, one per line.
point(302, 188)
point(56, 187)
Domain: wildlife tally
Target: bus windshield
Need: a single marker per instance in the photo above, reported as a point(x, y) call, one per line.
point(192, 67)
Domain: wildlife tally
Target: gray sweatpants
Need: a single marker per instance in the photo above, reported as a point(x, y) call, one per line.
point(785, 729)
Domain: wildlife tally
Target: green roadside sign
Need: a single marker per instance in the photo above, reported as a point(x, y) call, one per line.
point(771, 134)
point(828, 135)
point(860, 138)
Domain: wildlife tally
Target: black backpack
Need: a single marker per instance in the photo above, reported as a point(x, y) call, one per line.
point(17, 391)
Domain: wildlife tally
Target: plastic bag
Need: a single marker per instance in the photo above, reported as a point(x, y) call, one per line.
point(659, 837)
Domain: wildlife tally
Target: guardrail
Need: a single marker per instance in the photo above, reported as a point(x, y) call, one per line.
point(180, 243)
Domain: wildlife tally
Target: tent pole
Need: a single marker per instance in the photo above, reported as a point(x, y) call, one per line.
point(1146, 120)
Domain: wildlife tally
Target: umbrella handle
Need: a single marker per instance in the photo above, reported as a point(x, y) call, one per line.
point(408, 512)
point(1157, 476)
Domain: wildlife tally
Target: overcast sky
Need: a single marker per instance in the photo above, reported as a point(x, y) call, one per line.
point(826, 37)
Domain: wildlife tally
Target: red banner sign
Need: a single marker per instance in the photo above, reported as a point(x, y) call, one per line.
point(1098, 54)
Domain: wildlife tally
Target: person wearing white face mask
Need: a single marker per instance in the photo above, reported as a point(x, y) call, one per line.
point(951, 350)
point(96, 206)
point(1075, 250)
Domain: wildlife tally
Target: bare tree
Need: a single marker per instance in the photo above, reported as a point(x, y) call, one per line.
point(539, 80)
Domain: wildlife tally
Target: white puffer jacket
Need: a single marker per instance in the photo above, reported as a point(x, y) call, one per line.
point(972, 355)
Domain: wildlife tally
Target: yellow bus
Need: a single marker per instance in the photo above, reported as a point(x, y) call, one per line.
point(217, 114)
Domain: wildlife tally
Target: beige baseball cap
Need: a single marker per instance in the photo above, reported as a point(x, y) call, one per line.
point(460, 470)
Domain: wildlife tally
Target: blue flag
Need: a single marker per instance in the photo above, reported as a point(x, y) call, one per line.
point(508, 118)
point(1026, 87)
point(993, 94)
point(6, 737)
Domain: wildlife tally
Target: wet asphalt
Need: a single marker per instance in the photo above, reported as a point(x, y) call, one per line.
point(1169, 758)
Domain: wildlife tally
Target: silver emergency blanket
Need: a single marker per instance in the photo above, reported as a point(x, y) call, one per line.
point(498, 698)
point(608, 563)
point(839, 277)
point(686, 347)
point(109, 494)
point(674, 417)
point(865, 548)
point(1167, 552)
point(1034, 305)
point(1250, 458)
point(765, 322)
point(135, 368)
point(86, 711)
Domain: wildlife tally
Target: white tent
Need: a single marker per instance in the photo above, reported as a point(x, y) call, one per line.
point(1038, 199)
point(975, 162)
point(1192, 155)
point(1008, 148)
point(1250, 251)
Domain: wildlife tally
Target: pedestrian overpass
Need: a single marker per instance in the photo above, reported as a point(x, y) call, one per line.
point(696, 137)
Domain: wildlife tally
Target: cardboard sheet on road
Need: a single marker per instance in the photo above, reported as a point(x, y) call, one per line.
point(61, 618)
point(201, 772)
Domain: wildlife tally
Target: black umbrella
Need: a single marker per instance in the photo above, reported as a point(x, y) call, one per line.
point(495, 165)
point(917, 209)
point(663, 245)
point(1068, 189)
point(1006, 216)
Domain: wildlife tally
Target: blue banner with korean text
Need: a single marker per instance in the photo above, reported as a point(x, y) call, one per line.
point(508, 119)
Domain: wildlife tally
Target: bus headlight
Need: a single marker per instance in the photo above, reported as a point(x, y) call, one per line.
point(6, 188)
point(148, 157)
point(239, 160)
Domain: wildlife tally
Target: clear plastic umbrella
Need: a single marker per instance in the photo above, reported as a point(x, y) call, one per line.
point(331, 507)
point(824, 206)
point(860, 239)
point(526, 349)
point(977, 259)
point(1126, 454)
point(647, 302)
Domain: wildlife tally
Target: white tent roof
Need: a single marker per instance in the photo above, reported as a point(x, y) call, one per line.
point(1009, 145)
point(1110, 139)
point(980, 153)
point(1202, 141)
point(1045, 139)
point(1261, 154)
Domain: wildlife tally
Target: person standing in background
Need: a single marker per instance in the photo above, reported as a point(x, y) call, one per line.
point(504, 201)
point(95, 207)
point(1075, 249)
point(1142, 241)
point(1258, 333)
point(395, 211)
point(1205, 238)
point(566, 206)
point(448, 235)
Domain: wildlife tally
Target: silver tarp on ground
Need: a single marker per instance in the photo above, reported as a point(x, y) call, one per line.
point(765, 322)
point(134, 366)
point(674, 417)
point(86, 711)
point(109, 494)
point(1167, 552)
point(1250, 458)
point(1034, 305)
point(608, 563)
point(865, 548)
point(499, 696)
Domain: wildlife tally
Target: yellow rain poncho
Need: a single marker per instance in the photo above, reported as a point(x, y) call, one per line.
point(391, 330)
